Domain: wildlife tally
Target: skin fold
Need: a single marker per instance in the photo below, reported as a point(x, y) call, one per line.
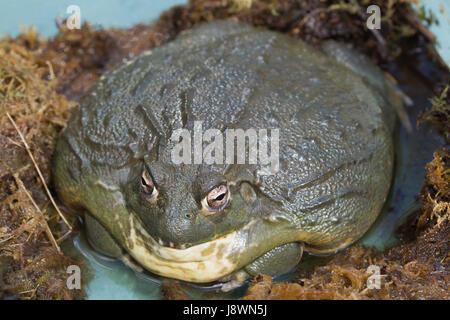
point(334, 113)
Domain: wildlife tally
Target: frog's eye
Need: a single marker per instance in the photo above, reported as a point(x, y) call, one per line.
point(217, 199)
point(147, 186)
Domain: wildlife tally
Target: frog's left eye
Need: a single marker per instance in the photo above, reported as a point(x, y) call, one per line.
point(216, 200)
point(147, 186)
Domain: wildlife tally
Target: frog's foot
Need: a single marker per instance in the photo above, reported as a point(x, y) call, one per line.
point(100, 239)
point(234, 280)
point(275, 262)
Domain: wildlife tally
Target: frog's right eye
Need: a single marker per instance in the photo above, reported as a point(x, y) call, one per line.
point(148, 187)
point(216, 200)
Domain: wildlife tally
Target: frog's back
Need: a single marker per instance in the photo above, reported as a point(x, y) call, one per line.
point(335, 143)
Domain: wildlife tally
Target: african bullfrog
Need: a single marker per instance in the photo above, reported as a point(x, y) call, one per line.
point(203, 222)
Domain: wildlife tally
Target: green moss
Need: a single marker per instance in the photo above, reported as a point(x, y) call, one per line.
point(439, 113)
point(427, 16)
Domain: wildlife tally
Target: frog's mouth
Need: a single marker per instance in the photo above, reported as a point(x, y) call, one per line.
point(212, 260)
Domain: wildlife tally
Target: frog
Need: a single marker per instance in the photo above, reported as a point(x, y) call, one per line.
point(226, 222)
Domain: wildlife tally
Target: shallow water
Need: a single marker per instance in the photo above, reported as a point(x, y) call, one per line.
point(413, 151)
point(111, 279)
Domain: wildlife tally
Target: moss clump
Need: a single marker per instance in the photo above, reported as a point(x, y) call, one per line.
point(31, 266)
point(439, 113)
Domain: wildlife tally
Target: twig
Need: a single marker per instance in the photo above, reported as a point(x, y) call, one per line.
point(63, 237)
point(412, 19)
point(311, 14)
point(38, 171)
point(47, 228)
point(51, 72)
point(379, 37)
point(6, 239)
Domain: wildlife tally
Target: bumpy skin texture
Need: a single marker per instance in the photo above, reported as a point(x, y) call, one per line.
point(335, 149)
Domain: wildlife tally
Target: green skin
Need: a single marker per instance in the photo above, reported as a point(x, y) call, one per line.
point(336, 151)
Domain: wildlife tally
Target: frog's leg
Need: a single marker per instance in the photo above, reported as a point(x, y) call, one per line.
point(100, 239)
point(389, 97)
point(345, 55)
point(234, 280)
point(277, 261)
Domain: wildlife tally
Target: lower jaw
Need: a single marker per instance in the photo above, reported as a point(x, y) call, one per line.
point(211, 261)
point(278, 261)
